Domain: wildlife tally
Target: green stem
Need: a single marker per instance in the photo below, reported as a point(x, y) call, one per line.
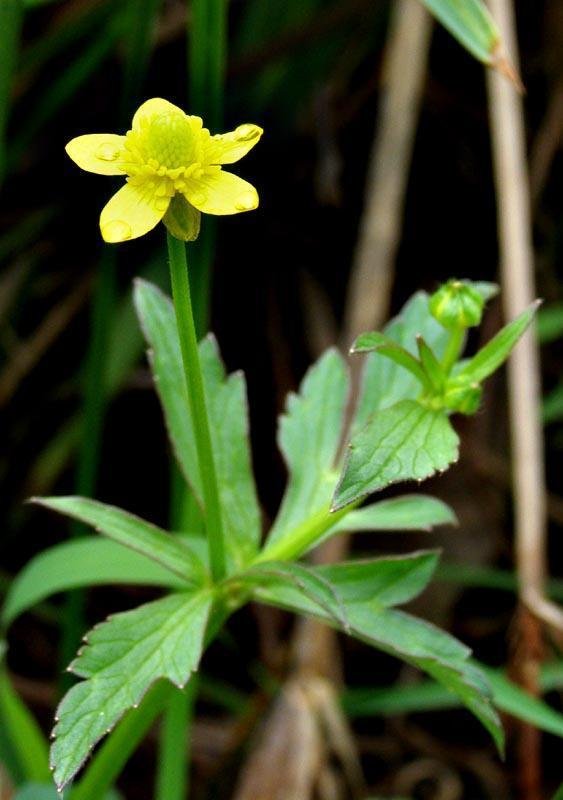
point(114, 753)
point(198, 408)
point(298, 541)
point(453, 349)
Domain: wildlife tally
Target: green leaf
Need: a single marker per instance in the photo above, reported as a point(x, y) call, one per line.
point(413, 640)
point(404, 442)
point(27, 758)
point(122, 658)
point(131, 531)
point(86, 561)
point(37, 791)
point(312, 584)
point(432, 367)
point(558, 794)
point(46, 791)
point(486, 289)
point(387, 581)
point(495, 352)
point(513, 700)
point(412, 512)
point(309, 438)
point(471, 24)
point(228, 415)
point(430, 696)
point(378, 342)
point(385, 383)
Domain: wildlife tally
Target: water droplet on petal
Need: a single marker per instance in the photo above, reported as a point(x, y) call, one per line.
point(246, 201)
point(116, 231)
point(244, 132)
point(162, 203)
point(107, 152)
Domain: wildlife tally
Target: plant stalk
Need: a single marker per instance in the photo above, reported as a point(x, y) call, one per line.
point(196, 394)
point(303, 536)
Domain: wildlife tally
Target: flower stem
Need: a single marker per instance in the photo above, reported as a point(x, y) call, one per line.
point(198, 408)
point(303, 536)
point(453, 349)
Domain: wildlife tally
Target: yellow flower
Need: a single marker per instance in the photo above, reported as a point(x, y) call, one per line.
point(174, 171)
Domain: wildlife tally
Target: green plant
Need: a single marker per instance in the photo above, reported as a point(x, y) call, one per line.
point(401, 430)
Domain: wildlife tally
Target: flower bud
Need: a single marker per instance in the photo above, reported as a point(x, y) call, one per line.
point(457, 304)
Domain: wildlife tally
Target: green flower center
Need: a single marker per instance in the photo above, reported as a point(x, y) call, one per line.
point(170, 140)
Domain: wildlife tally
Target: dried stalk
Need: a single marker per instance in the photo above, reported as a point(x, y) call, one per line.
point(404, 72)
point(517, 277)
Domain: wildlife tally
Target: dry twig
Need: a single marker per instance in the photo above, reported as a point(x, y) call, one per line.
point(517, 277)
point(404, 74)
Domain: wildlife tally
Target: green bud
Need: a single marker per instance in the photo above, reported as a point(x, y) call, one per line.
point(462, 397)
point(456, 305)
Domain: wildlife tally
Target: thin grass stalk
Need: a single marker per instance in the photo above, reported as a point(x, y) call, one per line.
point(139, 21)
point(174, 744)
point(11, 17)
point(206, 81)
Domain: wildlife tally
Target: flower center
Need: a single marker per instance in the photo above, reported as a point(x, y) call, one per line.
point(170, 140)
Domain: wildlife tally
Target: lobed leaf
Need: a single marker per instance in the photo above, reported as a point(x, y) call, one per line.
point(378, 342)
point(404, 442)
point(228, 416)
point(122, 658)
point(309, 438)
point(431, 366)
point(497, 350)
point(87, 561)
point(131, 531)
point(311, 583)
point(413, 640)
point(385, 383)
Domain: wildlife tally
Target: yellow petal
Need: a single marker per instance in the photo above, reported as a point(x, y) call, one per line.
point(102, 153)
point(132, 212)
point(150, 109)
point(182, 219)
point(226, 148)
point(221, 193)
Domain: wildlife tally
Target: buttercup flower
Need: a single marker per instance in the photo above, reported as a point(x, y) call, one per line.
point(173, 167)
